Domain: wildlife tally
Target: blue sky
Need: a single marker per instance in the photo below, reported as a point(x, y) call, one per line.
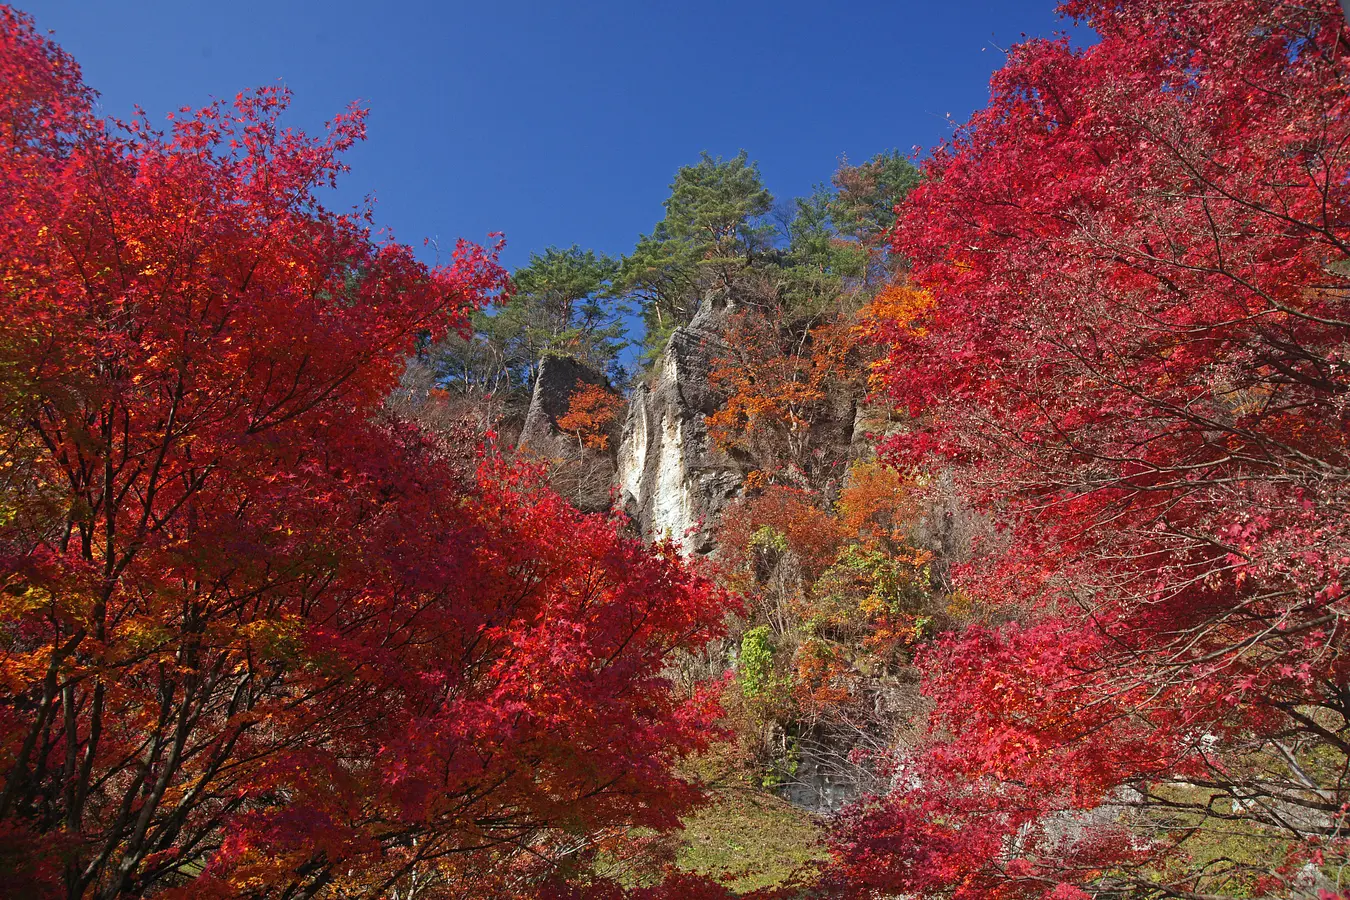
point(561, 122)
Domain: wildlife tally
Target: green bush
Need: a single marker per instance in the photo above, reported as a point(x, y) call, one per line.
point(756, 668)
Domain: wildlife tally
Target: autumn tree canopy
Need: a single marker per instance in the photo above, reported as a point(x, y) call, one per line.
point(1032, 466)
point(257, 637)
point(1135, 357)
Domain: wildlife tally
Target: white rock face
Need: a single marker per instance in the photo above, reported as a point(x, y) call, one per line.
point(633, 446)
point(672, 506)
point(673, 481)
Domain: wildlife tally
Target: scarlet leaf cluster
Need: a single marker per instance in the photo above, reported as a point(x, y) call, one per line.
point(1135, 358)
point(257, 637)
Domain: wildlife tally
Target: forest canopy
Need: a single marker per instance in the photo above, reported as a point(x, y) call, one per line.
point(1022, 470)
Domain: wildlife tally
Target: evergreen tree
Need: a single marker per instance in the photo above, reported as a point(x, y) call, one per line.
point(713, 229)
point(563, 303)
point(863, 202)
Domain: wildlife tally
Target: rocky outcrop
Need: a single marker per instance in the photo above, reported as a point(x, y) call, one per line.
point(583, 474)
point(832, 763)
point(559, 378)
point(672, 480)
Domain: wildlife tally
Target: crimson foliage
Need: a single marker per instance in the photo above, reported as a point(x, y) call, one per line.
point(256, 637)
point(1139, 359)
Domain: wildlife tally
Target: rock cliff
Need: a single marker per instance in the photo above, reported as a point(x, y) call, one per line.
point(584, 474)
point(559, 378)
point(672, 480)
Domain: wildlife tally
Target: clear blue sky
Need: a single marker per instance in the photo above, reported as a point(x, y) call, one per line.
point(561, 122)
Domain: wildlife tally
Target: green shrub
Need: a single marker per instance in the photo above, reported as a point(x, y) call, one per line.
point(755, 673)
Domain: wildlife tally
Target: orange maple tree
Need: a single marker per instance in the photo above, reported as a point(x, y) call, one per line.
point(778, 381)
point(590, 415)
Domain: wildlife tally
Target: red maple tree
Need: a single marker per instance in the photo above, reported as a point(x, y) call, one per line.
point(257, 637)
point(1136, 358)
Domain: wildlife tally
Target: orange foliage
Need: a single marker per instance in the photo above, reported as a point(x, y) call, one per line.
point(874, 504)
point(590, 414)
point(896, 306)
point(756, 481)
point(824, 678)
point(897, 312)
point(777, 386)
point(808, 531)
